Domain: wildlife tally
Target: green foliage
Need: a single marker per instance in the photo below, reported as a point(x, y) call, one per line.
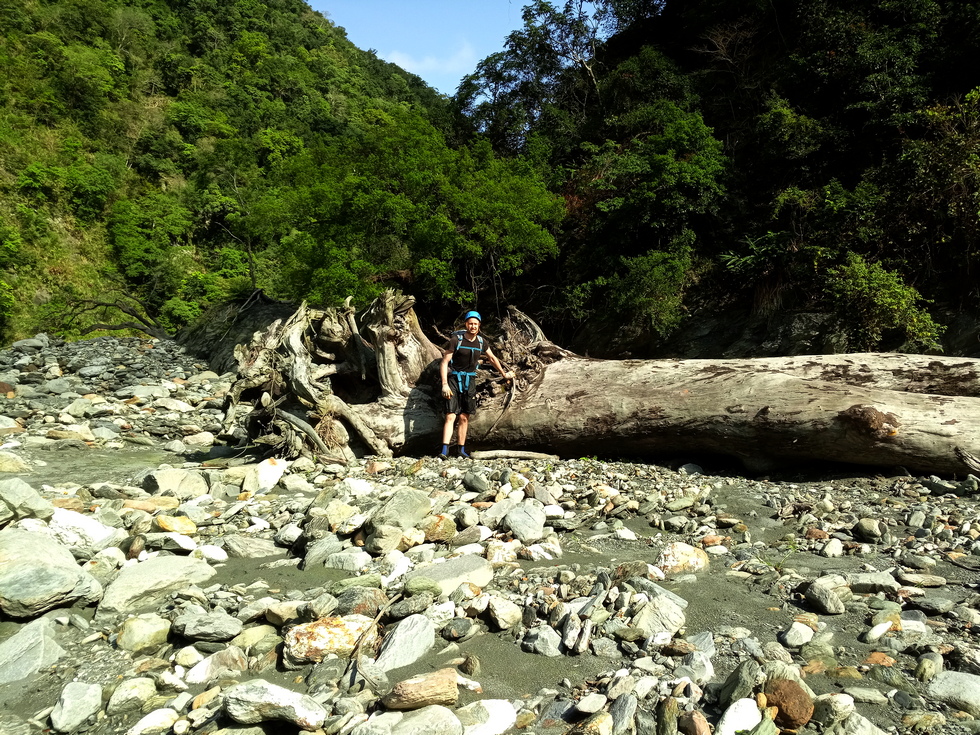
point(873, 301)
point(615, 162)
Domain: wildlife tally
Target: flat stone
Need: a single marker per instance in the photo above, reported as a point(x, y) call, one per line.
point(957, 689)
point(23, 501)
point(260, 701)
point(432, 720)
point(32, 648)
point(526, 522)
point(406, 642)
point(10, 462)
point(131, 695)
point(249, 547)
point(405, 509)
point(543, 640)
point(144, 585)
point(79, 701)
point(452, 573)
point(215, 626)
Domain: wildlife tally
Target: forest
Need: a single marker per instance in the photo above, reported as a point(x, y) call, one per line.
point(616, 169)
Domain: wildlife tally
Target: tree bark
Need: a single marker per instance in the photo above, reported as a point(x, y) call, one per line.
point(367, 384)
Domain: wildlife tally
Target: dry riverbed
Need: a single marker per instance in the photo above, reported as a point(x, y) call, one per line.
point(153, 580)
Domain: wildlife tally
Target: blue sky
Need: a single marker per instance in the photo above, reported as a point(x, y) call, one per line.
point(440, 40)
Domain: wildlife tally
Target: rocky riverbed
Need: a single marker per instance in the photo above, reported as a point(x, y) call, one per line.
point(155, 578)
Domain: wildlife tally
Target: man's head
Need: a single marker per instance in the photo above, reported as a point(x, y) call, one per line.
point(472, 320)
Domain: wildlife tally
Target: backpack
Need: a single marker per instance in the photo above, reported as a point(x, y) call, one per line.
point(462, 378)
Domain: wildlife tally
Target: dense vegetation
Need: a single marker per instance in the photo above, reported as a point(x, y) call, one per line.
point(615, 166)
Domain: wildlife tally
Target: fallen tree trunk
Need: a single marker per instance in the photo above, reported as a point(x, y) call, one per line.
point(367, 384)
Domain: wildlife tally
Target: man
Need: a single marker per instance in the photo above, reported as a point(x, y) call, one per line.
point(460, 359)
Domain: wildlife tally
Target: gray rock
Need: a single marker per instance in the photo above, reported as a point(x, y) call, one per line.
point(857, 724)
point(404, 509)
point(143, 585)
point(78, 702)
point(216, 626)
point(408, 641)
point(591, 703)
point(251, 547)
point(29, 589)
point(432, 720)
point(260, 701)
point(659, 616)
point(57, 386)
point(957, 689)
point(139, 391)
point(741, 682)
point(825, 594)
point(623, 710)
point(31, 649)
point(494, 515)
point(39, 574)
point(23, 501)
point(83, 534)
point(543, 640)
point(452, 573)
point(231, 659)
point(349, 560)
point(526, 522)
point(476, 482)
point(873, 582)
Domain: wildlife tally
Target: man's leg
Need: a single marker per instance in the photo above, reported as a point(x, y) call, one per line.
point(447, 434)
point(464, 423)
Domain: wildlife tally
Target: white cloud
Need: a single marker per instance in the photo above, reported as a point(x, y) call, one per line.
point(460, 62)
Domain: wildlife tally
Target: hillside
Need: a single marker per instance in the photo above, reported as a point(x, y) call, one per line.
point(173, 155)
point(614, 171)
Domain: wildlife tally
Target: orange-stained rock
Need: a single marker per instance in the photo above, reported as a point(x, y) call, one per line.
point(312, 642)
point(880, 659)
point(437, 687)
point(74, 504)
point(794, 705)
point(693, 723)
point(152, 505)
point(175, 524)
point(681, 558)
point(439, 527)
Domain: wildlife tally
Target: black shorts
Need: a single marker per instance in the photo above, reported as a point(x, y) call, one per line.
point(465, 403)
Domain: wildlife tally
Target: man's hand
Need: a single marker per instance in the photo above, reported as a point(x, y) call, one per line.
point(446, 393)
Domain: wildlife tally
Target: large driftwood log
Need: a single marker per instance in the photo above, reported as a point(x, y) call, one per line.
point(366, 383)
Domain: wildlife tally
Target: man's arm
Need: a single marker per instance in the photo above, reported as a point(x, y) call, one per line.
point(508, 374)
point(444, 374)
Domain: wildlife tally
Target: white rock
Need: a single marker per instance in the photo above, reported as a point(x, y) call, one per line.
point(742, 714)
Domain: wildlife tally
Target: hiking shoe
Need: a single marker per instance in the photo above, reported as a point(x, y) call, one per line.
point(442, 457)
point(464, 454)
